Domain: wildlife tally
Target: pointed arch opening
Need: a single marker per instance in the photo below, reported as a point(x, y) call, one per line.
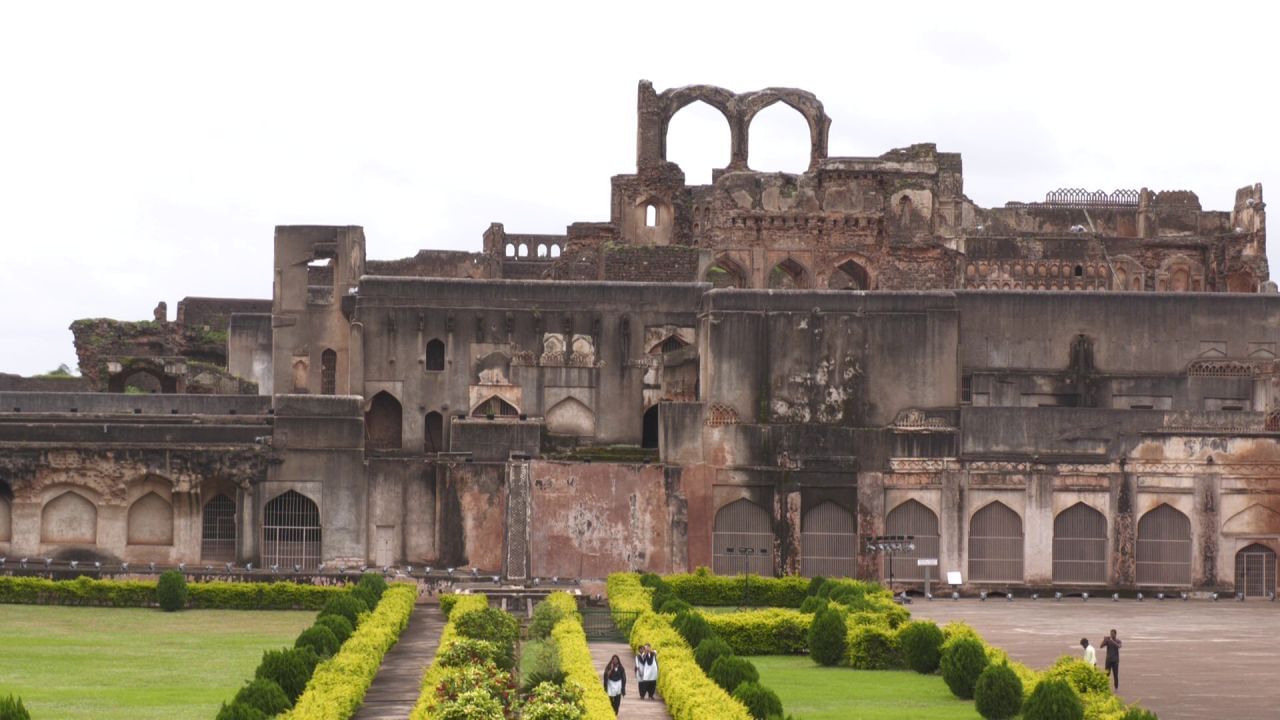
point(383, 423)
point(1164, 547)
point(150, 521)
point(828, 541)
point(433, 433)
point(912, 518)
point(995, 544)
point(742, 540)
point(571, 417)
point(70, 518)
point(1080, 545)
point(291, 532)
point(328, 372)
point(1256, 571)
point(699, 141)
point(434, 360)
point(725, 273)
point(788, 275)
point(649, 429)
point(218, 529)
point(496, 407)
point(779, 140)
point(849, 275)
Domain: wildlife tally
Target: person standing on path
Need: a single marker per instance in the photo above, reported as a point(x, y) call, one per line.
point(615, 682)
point(1090, 656)
point(1112, 645)
point(647, 671)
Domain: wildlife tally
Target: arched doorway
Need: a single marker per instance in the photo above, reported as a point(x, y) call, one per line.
point(742, 540)
point(725, 273)
point(995, 544)
point(433, 433)
point(1080, 545)
point(218, 530)
point(788, 275)
point(382, 424)
point(849, 275)
point(828, 541)
point(434, 361)
point(649, 433)
point(1164, 547)
point(912, 518)
point(291, 532)
point(1256, 571)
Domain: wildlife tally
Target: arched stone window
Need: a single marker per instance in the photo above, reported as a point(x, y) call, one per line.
point(218, 530)
point(496, 407)
point(995, 544)
point(788, 275)
point(69, 518)
point(1256, 571)
point(698, 138)
point(435, 355)
point(291, 532)
point(912, 518)
point(778, 139)
point(828, 541)
point(849, 275)
point(1164, 547)
point(150, 521)
point(1080, 545)
point(742, 540)
point(383, 422)
point(328, 372)
point(725, 273)
point(433, 433)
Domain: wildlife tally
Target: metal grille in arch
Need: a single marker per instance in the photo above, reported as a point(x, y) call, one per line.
point(291, 532)
point(218, 530)
point(995, 545)
point(1256, 571)
point(742, 541)
point(912, 518)
point(1164, 548)
point(828, 541)
point(1080, 545)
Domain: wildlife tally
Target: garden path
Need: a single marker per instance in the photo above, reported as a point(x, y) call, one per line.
point(633, 708)
point(396, 687)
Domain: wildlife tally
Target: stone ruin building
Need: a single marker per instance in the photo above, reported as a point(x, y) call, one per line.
point(762, 374)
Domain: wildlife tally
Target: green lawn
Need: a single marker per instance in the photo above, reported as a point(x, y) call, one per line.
point(812, 692)
point(107, 663)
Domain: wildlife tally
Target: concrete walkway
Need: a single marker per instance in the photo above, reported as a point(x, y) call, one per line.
point(397, 685)
point(633, 708)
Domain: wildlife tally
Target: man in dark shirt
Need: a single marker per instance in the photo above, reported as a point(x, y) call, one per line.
point(1112, 646)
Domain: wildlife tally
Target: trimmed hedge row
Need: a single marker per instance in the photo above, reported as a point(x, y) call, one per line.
point(688, 692)
point(703, 588)
point(142, 593)
point(575, 657)
point(338, 685)
point(763, 632)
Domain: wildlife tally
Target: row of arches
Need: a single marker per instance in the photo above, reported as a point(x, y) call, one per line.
point(789, 274)
point(778, 140)
point(541, 250)
point(742, 540)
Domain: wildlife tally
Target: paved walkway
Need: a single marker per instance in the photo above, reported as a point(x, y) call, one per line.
point(633, 708)
point(398, 683)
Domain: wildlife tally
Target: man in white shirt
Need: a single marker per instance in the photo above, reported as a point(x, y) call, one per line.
point(1090, 656)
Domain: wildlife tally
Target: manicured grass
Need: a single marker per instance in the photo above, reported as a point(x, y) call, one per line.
point(812, 692)
point(109, 663)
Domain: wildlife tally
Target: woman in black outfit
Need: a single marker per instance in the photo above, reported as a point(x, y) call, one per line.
point(615, 682)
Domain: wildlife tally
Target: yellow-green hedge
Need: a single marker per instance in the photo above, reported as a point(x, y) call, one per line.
point(338, 685)
point(434, 674)
point(772, 631)
point(575, 658)
point(228, 595)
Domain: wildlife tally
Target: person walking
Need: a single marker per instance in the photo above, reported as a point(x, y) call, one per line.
point(615, 682)
point(1112, 646)
point(1090, 656)
point(647, 671)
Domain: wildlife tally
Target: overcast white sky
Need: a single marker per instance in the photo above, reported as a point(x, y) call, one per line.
point(148, 149)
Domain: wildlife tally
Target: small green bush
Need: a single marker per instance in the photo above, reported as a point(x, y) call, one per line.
point(289, 669)
point(710, 650)
point(921, 643)
point(775, 631)
point(813, 604)
point(692, 627)
point(264, 694)
point(464, 651)
point(873, 648)
point(674, 606)
point(1082, 676)
point(447, 602)
point(11, 709)
point(496, 626)
point(731, 671)
point(661, 596)
point(548, 701)
point(171, 591)
point(240, 711)
point(827, 637)
point(366, 595)
point(475, 704)
point(320, 639)
point(815, 584)
point(1137, 713)
point(998, 693)
point(338, 625)
point(1053, 699)
point(374, 582)
point(345, 605)
point(761, 702)
point(963, 660)
point(540, 663)
point(652, 580)
point(545, 617)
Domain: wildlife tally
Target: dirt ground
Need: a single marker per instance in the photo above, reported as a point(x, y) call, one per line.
point(1183, 660)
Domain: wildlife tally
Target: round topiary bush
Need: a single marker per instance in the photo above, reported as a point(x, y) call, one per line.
point(963, 660)
point(1082, 676)
point(921, 643)
point(674, 606)
point(289, 669)
point(497, 627)
point(692, 627)
point(240, 711)
point(710, 650)
point(998, 693)
point(265, 695)
point(171, 591)
point(11, 709)
point(873, 648)
point(345, 605)
point(761, 702)
point(365, 595)
point(813, 604)
point(374, 582)
point(815, 584)
point(731, 671)
point(338, 625)
point(1053, 699)
point(827, 637)
point(320, 639)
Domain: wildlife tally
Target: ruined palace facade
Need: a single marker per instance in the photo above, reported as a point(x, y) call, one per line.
point(759, 374)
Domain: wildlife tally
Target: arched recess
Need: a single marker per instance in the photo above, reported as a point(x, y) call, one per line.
point(328, 372)
point(649, 428)
point(143, 376)
point(995, 544)
point(433, 433)
point(572, 417)
point(522, 250)
point(788, 275)
point(496, 407)
point(725, 273)
point(828, 541)
point(291, 531)
point(69, 518)
point(150, 521)
point(698, 138)
point(849, 275)
point(434, 361)
point(912, 518)
point(742, 540)
point(6, 512)
point(1080, 545)
point(1256, 571)
point(383, 422)
point(1164, 547)
point(218, 529)
point(779, 139)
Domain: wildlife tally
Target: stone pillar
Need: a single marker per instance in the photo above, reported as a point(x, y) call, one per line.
point(1037, 529)
point(788, 509)
point(1204, 528)
point(355, 360)
point(515, 562)
point(953, 509)
point(871, 513)
point(1124, 529)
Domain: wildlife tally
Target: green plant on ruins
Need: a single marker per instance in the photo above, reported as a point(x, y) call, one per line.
point(998, 693)
point(827, 637)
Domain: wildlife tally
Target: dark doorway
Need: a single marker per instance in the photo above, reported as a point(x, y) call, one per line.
point(649, 435)
point(434, 433)
point(382, 423)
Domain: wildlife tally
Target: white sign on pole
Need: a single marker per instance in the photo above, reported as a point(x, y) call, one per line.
point(926, 562)
point(953, 577)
